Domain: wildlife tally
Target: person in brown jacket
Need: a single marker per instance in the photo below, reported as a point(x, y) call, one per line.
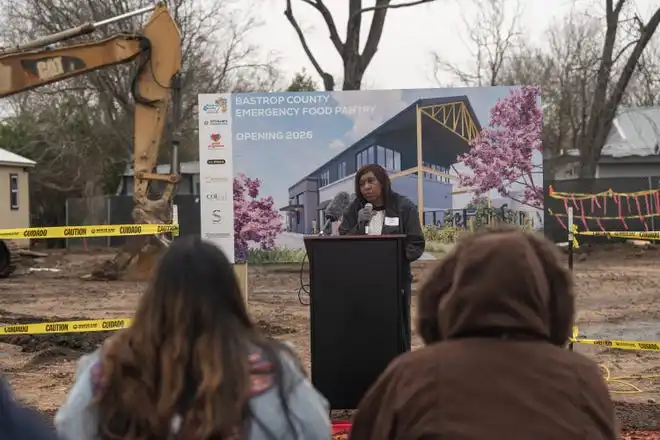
point(495, 316)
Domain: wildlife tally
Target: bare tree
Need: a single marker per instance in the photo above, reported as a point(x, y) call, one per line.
point(644, 87)
point(73, 158)
point(609, 89)
point(355, 62)
point(584, 76)
point(492, 36)
point(571, 62)
point(216, 58)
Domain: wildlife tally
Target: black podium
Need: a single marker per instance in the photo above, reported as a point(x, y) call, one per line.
point(357, 312)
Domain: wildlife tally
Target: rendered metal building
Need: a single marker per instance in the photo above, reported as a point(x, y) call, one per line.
point(417, 146)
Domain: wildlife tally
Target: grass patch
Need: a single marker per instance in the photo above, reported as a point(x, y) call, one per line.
point(275, 256)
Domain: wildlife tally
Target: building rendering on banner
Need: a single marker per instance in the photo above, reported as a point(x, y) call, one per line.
point(441, 128)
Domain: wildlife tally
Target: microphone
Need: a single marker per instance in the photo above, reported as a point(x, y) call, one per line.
point(369, 207)
point(335, 209)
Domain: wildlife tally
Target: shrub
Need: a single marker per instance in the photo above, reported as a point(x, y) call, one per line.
point(275, 256)
point(444, 235)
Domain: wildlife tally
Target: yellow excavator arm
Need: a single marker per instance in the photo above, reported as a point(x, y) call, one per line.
point(21, 71)
point(157, 49)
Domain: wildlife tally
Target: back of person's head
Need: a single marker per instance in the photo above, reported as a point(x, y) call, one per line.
point(187, 351)
point(499, 281)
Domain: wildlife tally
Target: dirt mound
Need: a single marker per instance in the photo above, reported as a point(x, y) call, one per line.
point(66, 342)
point(80, 342)
point(271, 329)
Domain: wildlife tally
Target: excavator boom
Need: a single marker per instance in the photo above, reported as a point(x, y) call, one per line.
point(158, 51)
point(20, 72)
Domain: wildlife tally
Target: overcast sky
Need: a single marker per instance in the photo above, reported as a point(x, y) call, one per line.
point(411, 34)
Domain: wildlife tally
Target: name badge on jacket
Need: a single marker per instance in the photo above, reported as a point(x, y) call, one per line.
point(391, 221)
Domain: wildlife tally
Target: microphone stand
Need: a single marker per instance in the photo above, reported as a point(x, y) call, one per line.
point(328, 220)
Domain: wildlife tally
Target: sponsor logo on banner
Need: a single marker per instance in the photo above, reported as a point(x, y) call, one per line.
point(217, 217)
point(216, 122)
point(216, 141)
point(217, 196)
point(216, 162)
point(217, 235)
point(219, 105)
point(211, 179)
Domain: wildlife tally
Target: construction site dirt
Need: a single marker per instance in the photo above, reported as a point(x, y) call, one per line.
point(618, 297)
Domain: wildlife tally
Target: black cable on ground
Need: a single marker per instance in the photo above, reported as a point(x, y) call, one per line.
point(303, 291)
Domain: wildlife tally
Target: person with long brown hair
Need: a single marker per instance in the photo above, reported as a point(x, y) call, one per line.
point(192, 366)
point(495, 316)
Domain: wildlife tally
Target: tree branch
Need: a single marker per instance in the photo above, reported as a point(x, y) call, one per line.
point(328, 80)
point(388, 6)
point(647, 33)
point(329, 21)
point(623, 50)
point(377, 24)
point(375, 31)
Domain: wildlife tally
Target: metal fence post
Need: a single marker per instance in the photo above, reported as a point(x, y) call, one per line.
point(652, 201)
point(66, 220)
point(108, 202)
point(571, 237)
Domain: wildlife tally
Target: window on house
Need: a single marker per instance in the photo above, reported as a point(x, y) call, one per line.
point(430, 176)
point(397, 161)
point(13, 192)
point(388, 159)
point(341, 172)
point(361, 159)
point(324, 178)
point(380, 156)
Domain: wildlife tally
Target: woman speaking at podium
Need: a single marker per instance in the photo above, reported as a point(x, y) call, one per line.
point(377, 210)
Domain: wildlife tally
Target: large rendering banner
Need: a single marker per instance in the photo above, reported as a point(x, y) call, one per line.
point(272, 163)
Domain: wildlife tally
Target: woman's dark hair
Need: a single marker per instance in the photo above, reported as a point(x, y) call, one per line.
point(382, 177)
point(187, 352)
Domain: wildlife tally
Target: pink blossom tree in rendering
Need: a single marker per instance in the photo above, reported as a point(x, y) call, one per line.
point(255, 219)
point(502, 153)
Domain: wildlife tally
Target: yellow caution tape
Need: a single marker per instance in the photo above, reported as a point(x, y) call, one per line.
point(47, 328)
point(572, 232)
point(609, 193)
point(88, 231)
point(611, 343)
point(655, 235)
point(623, 345)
